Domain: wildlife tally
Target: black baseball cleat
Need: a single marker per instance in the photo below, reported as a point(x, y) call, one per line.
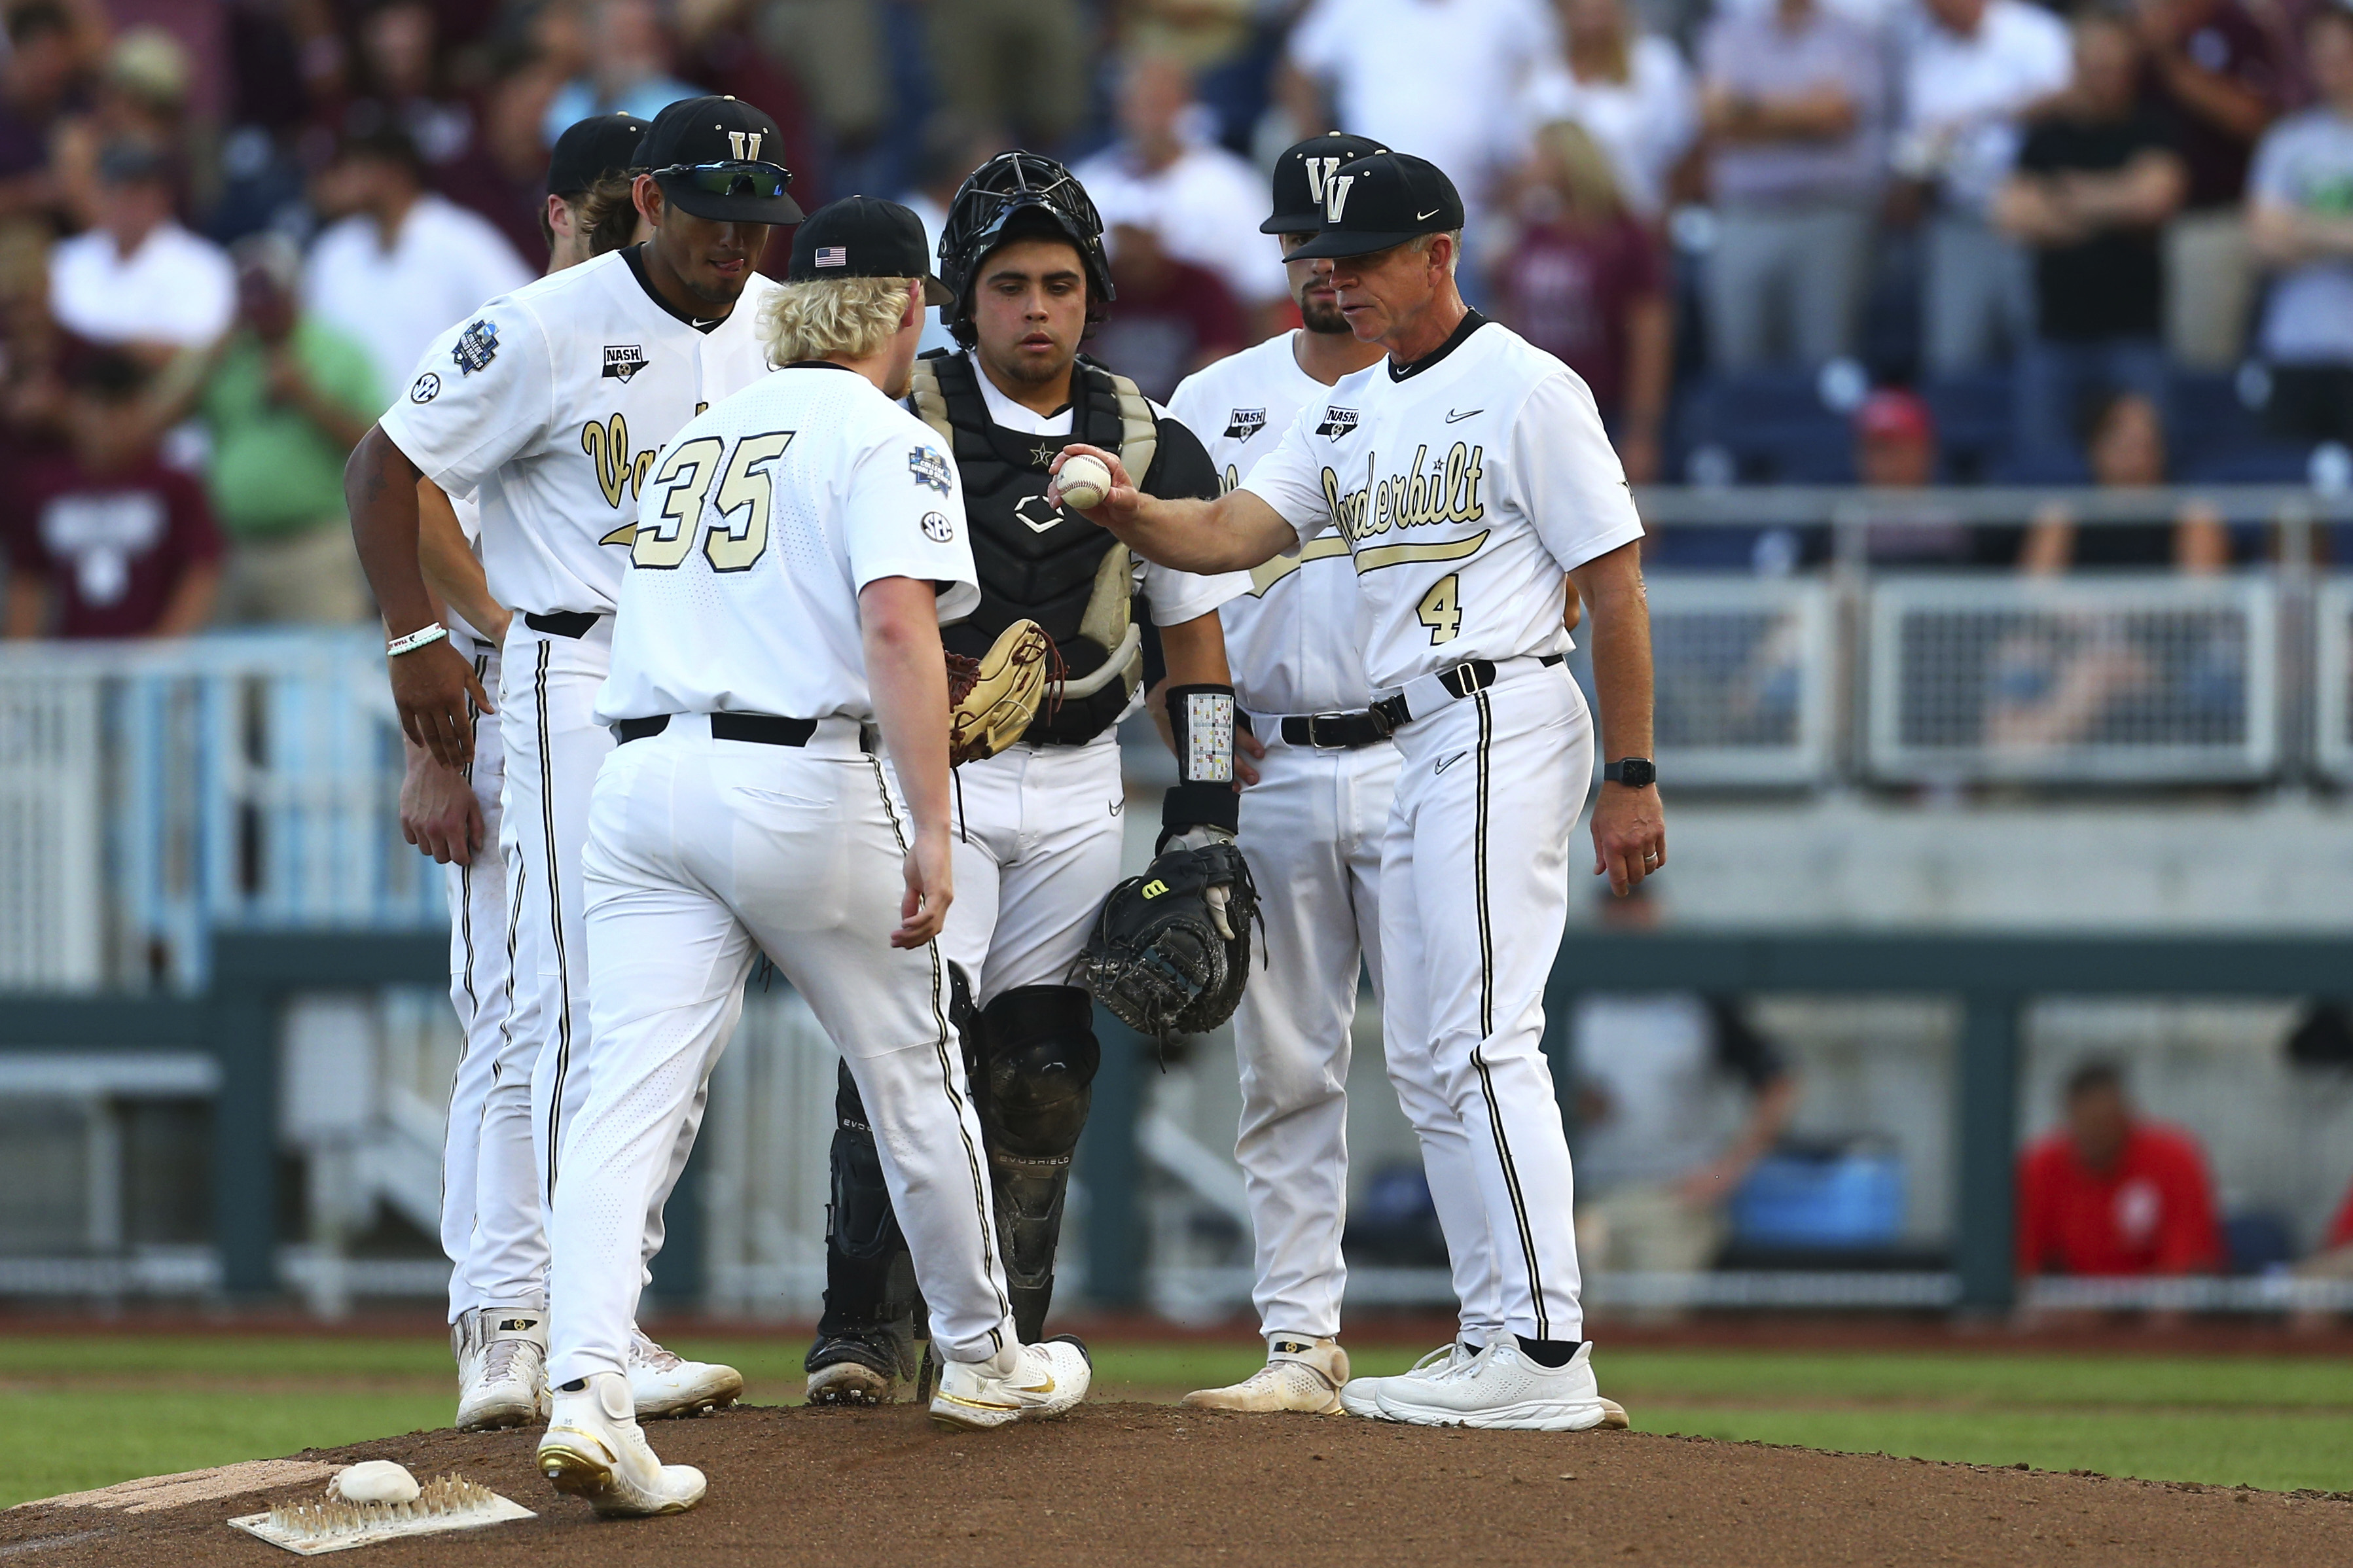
point(863, 1367)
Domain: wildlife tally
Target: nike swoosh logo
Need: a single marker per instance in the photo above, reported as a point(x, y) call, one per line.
point(1449, 762)
point(1422, 218)
point(1455, 418)
point(1117, 807)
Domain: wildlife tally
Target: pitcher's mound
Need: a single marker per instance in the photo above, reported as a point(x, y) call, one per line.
point(1151, 1483)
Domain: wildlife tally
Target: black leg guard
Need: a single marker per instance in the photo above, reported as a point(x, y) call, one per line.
point(1039, 1057)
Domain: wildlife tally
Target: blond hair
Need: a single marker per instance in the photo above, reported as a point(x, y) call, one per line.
point(833, 318)
point(1581, 172)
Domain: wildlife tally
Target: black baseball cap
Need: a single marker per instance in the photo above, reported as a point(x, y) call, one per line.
point(591, 149)
point(717, 158)
point(1299, 173)
point(1381, 200)
point(865, 236)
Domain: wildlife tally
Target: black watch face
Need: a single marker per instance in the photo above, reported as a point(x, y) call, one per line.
point(1636, 773)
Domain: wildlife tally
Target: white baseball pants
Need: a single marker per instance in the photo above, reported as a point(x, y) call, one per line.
point(702, 854)
point(1475, 899)
point(1037, 851)
point(1312, 829)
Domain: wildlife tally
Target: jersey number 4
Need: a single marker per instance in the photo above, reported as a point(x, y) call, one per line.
point(1441, 609)
point(731, 543)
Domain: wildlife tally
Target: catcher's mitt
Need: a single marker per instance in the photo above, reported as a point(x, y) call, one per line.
point(1155, 957)
point(992, 698)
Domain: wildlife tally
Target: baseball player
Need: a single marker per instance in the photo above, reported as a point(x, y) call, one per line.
point(793, 560)
point(551, 402)
point(1466, 474)
point(1039, 829)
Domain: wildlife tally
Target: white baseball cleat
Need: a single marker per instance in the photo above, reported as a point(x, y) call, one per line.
point(1299, 1375)
point(594, 1448)
point(1019, 1383)
point(663, 1382)
point(1361, 1395)
point(1504, 1388)
point(502, 1367)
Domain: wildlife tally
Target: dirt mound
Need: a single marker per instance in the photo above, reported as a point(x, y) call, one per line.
point(1148, 1483)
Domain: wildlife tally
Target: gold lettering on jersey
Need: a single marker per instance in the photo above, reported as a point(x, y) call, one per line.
point(1422, 495)
point(1382, 556)
point(1230, 480)
point(617, 473)
point(1323, 547)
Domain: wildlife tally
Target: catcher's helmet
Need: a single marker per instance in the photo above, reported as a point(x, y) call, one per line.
point(1018, 195)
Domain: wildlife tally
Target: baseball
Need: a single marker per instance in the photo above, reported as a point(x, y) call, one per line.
point(1085, 482)
point(376, 1480)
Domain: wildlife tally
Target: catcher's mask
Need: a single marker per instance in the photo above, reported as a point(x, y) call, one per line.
point(1018, 195)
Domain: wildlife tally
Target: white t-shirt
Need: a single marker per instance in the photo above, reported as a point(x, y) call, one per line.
point(1175, 597)
point(766, 517)
point(1205, 207)
point(175, 289)
point(441, 265)
point(1296, 640)
point(1464, 491)
point(1963, 97)
point(552, 401)
point(1439, 79)
point(2306, 163)
point(1644, 123)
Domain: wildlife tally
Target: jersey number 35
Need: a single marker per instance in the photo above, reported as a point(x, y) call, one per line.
point(730, 542)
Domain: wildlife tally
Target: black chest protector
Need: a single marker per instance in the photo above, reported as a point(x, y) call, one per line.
point(1039, 562)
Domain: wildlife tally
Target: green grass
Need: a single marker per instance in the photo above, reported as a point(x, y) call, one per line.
point(84, 1412)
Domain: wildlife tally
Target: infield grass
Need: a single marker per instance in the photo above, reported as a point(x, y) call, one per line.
point(79, 1412)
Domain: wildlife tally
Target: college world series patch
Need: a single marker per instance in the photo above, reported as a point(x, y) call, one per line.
point(930, 468)
point(476, 346)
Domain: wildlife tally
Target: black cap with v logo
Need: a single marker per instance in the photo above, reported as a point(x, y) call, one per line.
point(1381, 200)
point(719, 158)
point(1300, 175)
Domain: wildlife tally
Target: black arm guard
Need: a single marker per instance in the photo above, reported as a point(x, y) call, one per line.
point(1154, 957)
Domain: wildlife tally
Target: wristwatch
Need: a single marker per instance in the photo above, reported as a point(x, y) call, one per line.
point(1634, 773)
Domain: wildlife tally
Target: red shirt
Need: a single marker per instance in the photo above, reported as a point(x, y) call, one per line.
point(1569, 291)
point(2340, 1230)
point(111, 548)
point(2152, 1213)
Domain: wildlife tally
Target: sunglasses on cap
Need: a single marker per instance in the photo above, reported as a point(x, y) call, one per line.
point(767, 181)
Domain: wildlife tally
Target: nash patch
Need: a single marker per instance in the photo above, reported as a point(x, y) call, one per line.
point(1337, 422)
point(623, 361)
point(476, 346)
point(1245, 424)
point(931, 469)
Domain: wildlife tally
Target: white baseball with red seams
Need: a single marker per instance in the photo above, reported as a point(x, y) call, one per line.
point(1085, 482)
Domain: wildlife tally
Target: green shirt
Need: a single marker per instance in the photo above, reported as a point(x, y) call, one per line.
point(273, 472)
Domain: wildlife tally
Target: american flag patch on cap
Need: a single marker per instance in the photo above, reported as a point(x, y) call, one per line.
point(833, 256)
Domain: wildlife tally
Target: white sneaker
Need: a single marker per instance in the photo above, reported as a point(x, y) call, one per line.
point(1299, 1375)
point(1361, 1395)
point(663, 1382)
point(1019, 1383)
point(1504, 1388)
point(594, 1448)
point(502, 1367)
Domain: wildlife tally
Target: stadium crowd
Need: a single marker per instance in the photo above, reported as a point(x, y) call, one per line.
point(1901, 241)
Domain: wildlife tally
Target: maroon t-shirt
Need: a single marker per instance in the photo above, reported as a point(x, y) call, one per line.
point(111, 548)
point(1567, 290)
point(1162, 326)
point(2231, 43)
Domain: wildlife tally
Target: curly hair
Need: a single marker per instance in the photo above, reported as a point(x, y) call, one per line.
point(833, 318)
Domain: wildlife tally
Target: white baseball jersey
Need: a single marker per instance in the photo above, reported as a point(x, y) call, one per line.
point(1296, 640)
point(1464, 489)
point(552, 402)
point(759, 527)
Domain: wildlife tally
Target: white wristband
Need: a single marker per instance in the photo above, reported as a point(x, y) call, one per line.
point(420, 637)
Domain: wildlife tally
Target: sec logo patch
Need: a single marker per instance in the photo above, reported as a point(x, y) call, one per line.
point(937, 527)
point(425, 388)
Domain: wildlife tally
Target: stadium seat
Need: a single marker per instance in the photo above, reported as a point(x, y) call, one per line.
point(2212, 435)
point(1973, 422)
point(1774, 426)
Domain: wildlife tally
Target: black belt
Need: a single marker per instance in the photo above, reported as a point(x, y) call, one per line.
point(1465, 679)
point(572, 624)
point(1335, 731)
point(760, 729)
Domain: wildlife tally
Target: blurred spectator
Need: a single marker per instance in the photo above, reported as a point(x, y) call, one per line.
point(139, 280)
point(45, 57)
point(2097, 181)
point(1895, 449)
point(1793, 104)
point(402, 78)
point(1972, 68)
point(1441, 79)
point(1628, 89)
point(1022, 63)
point(285, 398)
point(2109, 1193)
point(104, 541)
point(399, 263)
point(952, 147)
point(141, 96)
point(1203, 203)
point(2212, 69)
point(2300, 199)
point(2332, 1259)
point(1171, 317)
point(629, 69)
point(835, 51)
point(2123, 438)
point(1585, 280)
